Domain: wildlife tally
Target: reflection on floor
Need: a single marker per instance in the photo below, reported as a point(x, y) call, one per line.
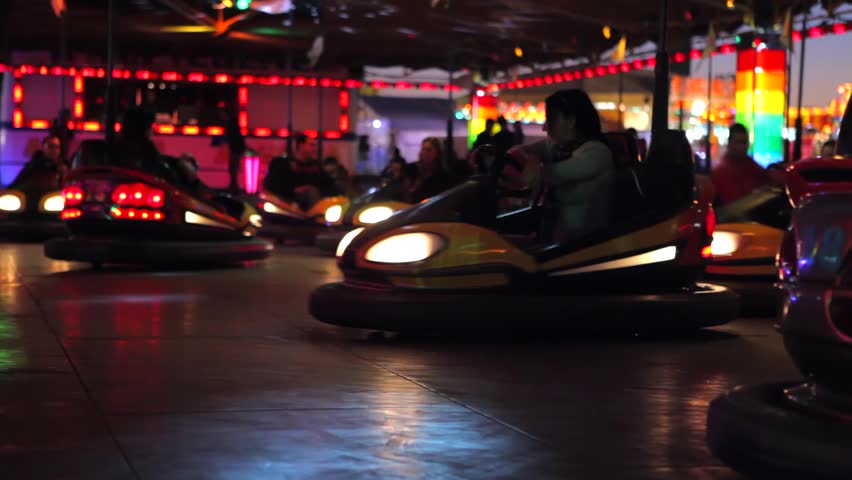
point(223, 374)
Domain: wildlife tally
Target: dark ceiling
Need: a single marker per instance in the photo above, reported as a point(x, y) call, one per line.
point(414, 33)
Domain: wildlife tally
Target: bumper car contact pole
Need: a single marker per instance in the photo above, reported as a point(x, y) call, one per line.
point(290, 132)
point(660, 115)
point(451, 153)
point(109, 128)
point(797, 144)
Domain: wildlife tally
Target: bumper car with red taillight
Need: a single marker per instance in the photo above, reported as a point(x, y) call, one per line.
point(121, 216)
point(454, 263)
point(803, 429)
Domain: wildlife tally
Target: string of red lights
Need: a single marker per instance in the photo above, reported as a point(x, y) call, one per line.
point(199, 77)
point(647, 62)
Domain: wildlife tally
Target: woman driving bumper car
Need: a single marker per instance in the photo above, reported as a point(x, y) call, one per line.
point(148, 211)
point(452, 262)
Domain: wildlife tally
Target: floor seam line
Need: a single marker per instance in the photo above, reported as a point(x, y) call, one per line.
point(455, 401)
point(83, 385)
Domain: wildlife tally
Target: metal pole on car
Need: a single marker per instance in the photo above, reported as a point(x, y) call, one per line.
point(109, 124)
point(319, 124)
point(660, 115)
point(708, 144)
point(797, 145)
point(290, 131)
point(621, 100)
point(451, 154)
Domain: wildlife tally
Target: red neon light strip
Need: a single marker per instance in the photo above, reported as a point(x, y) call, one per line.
point(78, 84)
point(78, 108)
point(242, 96)
point(18, 118)
point(39, 124)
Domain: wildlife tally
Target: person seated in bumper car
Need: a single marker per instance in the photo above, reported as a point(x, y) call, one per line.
point(301, 178)
point(432, 175)
point(45, 169)
point(580, 173)
point(738, 175)
point(134, 148)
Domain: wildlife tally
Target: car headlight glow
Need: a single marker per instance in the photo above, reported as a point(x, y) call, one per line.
point(333, 213)
point(10, 203)
point(405, 248)
point(256, 220)
point(346, 240)
point(374, 215)
point(724, 243)
point(271, 208)
point(53, 203)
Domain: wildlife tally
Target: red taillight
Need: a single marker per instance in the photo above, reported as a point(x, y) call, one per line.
point(707, 252)
point(73, 195)
point(138, 195)
point(71, 213)
point(710, 222)
point(136, 214)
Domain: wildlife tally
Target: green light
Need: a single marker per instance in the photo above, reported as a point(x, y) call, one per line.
point(738, 39)
point(243, 4)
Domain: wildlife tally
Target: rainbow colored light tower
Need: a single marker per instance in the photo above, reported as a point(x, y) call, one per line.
point(483, 106)
point(760, 98)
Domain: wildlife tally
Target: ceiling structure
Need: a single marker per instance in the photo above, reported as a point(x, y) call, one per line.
point(477, 34)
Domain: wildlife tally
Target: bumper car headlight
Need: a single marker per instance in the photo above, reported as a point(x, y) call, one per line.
point(53, 203)
point(346, 240)
point(724, 243)
point(10, 203)
point(270, 207)
point(405, 248)
point(333, 213)
point(374, 215)
point(256, 220)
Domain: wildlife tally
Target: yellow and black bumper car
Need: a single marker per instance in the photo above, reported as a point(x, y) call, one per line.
point(452, 262)
point(373, 207)
point(745, 243)
point(31, 215)
point(285, 220)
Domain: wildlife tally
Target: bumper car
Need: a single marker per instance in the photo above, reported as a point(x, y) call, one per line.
point(286, 220)
point(745, 242)
point(802, 429)
point(31, 210)
point(376, 205)
point(121, 216)
point(454, 262)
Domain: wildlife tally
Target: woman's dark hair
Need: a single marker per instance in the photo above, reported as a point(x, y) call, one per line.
point(438, 146)
point(576, 103)
point(398, 160)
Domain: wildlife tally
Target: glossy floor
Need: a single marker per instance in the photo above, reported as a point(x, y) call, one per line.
point(223, 374)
